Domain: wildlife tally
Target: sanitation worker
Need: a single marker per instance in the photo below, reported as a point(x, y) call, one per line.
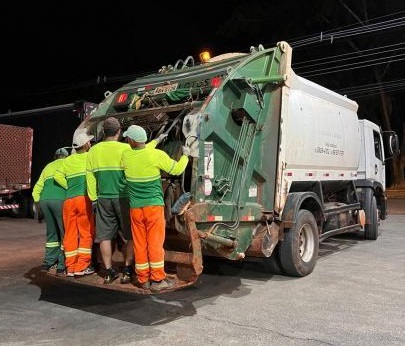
point(78, 216)
point(106, 187)
point(49, 195)
point(142, 167)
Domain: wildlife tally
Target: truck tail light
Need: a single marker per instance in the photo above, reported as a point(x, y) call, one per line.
point(216, 82)
point(121, 98)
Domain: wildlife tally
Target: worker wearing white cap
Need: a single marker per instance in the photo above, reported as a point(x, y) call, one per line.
point(142, 166)
point(78, 217)
point(49, 196)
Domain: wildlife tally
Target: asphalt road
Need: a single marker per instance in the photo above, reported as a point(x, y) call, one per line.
point(355, 296)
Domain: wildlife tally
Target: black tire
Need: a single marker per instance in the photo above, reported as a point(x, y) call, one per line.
point(300, 247)
point(371, 226)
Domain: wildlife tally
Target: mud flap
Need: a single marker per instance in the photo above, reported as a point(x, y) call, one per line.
point(270, 239)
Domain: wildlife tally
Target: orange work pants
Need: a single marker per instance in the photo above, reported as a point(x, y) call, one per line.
point(148, 233)
point(78, 219)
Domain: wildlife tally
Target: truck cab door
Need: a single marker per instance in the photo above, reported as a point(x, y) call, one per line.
point(375, 160)
point(371, 166)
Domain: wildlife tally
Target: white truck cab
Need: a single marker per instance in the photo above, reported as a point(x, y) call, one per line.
point(372, 156)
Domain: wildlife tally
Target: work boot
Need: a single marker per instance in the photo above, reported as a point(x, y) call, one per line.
point(89, 270)
point(165, 284)
point(61, 272)
point(110, 276)
point(46, 267)
point(127, 275)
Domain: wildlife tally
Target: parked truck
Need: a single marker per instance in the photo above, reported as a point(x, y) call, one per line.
point(278, 163)
point(53, 127)
point(15, 169)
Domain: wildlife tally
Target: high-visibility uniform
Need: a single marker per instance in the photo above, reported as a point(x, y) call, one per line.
point(142, 169)
point(78, 216)
point(105, 173)
point(106, 183)
point(51, 196)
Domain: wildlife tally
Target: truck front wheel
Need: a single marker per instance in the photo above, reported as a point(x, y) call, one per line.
point(299, 249)
point(371, 226)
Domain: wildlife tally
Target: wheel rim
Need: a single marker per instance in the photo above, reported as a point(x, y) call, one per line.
point(306, 242)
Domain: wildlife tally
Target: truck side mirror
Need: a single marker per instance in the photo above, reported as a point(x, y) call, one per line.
point(391, 144)
point(394, 144)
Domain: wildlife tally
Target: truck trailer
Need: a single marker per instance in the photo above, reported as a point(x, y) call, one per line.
point(53, 127)
point(278, 163)
point(15, 169)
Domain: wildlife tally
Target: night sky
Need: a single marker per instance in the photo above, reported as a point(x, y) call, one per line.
point(58, 53)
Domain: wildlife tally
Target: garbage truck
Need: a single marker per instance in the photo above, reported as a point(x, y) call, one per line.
point(278, 163)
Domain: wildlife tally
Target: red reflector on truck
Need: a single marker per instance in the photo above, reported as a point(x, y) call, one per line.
point(121, 98)
point(214, 218)
point(216, 82)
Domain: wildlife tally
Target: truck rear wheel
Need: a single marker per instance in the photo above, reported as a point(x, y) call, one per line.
point(371, 226)
point(299, 249)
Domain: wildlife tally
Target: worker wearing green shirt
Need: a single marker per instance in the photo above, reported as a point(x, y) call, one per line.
point(78, 216)
point(142, 166)
point(106, 187)
point(50, 197)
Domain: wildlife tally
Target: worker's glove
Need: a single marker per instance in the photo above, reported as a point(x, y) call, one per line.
point(186, 151)
point(161, 138)
point(94, 206)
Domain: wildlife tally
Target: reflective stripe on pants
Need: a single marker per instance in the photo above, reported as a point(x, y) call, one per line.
point(78, 219)
point(148, 234)
point(52, 210)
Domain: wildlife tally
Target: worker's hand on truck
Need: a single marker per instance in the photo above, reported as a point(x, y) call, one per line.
point(161, 138)
point(186, 151)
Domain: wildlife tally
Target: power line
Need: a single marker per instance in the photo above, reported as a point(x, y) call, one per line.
point(352, 55)
point(367, 90)
point(354, 65)
point(304, 67)
point(354, 30)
